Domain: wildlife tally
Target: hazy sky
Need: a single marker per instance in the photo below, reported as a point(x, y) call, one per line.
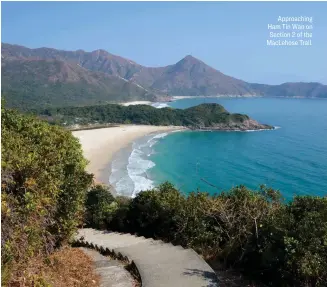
point(230, 37)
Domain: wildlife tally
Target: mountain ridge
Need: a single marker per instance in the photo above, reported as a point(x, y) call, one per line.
point(188, 77)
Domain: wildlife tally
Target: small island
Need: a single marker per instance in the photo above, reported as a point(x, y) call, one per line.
point(208, 116)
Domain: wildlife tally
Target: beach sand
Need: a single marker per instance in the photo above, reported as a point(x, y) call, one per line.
point(99, 145)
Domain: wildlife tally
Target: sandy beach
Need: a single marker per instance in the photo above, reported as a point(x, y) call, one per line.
point(99, 145)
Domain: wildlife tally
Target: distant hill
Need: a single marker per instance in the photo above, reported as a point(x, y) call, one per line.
point(47, 77)
point(42, 81)
point(292, 90)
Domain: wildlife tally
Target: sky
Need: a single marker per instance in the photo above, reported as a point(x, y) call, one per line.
point(229, 36)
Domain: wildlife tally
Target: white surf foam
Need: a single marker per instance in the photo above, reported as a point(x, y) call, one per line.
point(129, 175)
point(152, 141)
point(138, 164)
point(159, 136)
point(137, 167)
point(160, 105)
point(275, 128)
point(258, 130)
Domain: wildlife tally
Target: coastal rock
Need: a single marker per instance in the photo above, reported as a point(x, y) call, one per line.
point(246, 125)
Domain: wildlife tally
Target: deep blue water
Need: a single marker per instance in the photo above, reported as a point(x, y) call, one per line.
point(292, 159)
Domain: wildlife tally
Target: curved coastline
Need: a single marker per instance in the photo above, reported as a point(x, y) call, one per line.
point(129, 171)
point(117, 155)
point(100, 145)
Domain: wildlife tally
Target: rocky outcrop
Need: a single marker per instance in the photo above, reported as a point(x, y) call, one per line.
point(246, 125)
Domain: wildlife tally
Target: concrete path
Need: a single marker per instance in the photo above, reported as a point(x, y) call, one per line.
point(159, 264)
point(112, 272)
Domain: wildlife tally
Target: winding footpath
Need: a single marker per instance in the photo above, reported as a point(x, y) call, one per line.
point(159, 264)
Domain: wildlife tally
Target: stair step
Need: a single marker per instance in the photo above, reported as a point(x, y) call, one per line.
point(112, 272)
point(160, 264)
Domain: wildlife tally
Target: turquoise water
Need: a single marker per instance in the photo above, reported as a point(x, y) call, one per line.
point(292, 158)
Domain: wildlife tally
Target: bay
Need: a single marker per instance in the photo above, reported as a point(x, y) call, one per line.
point(291, 158)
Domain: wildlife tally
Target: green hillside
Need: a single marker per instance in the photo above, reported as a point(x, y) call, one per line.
point(30, 84)
point(211, 116)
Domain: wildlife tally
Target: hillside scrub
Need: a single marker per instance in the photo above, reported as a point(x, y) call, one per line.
point(66, 267)
point(281, 244)
point(43, 189)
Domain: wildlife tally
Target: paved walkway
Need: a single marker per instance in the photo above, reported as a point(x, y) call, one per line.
point(112, 272)
point(159, 264)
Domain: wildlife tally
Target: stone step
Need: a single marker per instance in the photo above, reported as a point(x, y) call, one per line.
point(144, 251)
point(183, 269)
point(112, 272)
point(113, 241)
point(160, 264)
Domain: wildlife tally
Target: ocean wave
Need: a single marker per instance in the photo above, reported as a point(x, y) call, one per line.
point(129, 175)
point(137, 168)
point(152, 141)
point(124, 186)
point(138, 164)
point(159, 136)
point(160, 105)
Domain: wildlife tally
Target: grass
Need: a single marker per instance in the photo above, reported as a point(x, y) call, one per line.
point(68, 267)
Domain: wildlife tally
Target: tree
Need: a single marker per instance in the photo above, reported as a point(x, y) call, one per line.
point(100, 206)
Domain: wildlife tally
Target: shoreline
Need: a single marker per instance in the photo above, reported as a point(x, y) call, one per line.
point(100, 145)
point(133, 103)
point(175, 98)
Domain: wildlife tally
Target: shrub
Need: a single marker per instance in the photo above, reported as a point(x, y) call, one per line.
point(283, 244)
point(239, 213)
point(293, 245)
point(154, 213)
point(100, 206)
point(118, 220)
point(306, 239)
point(43, 189)
point(220, 225)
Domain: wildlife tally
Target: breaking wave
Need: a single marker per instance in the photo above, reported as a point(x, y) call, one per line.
point(130, 173)
point(160, 105)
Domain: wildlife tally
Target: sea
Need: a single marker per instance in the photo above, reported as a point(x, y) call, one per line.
point(292, 158)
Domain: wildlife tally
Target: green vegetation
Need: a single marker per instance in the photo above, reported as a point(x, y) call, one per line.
point(43, 189)
point(281, 244)
point(100, 205)
point(201, 116)
point(46, 195)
